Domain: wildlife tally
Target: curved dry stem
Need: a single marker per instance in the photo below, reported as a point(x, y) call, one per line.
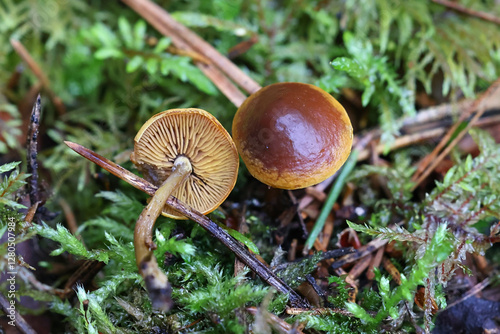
point(156, 281)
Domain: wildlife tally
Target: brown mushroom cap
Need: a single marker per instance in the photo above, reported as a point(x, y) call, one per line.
point(197, 135)
point(292, 135)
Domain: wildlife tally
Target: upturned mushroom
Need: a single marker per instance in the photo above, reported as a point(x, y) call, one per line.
point(292, 135)
point(188, 154)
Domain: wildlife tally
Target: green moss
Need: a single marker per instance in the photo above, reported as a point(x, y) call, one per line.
point(98, 61)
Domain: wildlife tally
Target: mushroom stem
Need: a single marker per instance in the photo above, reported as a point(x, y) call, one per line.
point(156, 281)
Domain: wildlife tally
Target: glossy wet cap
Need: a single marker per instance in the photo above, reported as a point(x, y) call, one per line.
point(197, 135)
point(292, 135)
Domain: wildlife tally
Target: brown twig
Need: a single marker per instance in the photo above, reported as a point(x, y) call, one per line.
point(321, 243)
point(435, 113)
point(431, 161)
point(361, 252)
point(403, 141)
point(195, 56)
point(360, 267)
point(464, 10)
point(375, 263)
point(37, 71)
point(293, 250)
point(238, 249)
point(13, 315)
point(327, 231)
point(84, 275)
point(428, 124)
point(185, 39)
point(320, 187)
point(196, 43)
point(70, 218)
point(32, 64)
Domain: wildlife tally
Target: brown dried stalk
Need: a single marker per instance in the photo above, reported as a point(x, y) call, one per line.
point(35, 68)
point(185, 39)
point(464, 10)
point(361, 252)
point(196, 43)
point(433, 159)
point(238, 249)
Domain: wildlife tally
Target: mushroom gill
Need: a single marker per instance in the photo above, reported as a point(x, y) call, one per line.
point(198, 136)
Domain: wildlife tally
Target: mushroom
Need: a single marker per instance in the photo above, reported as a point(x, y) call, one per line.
point(292, 135)
point(188, 154)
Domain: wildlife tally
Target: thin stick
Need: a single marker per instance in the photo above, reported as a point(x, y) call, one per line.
point(423, 117)
point(360, 267)
point(320, 187)
point(167, 26)
point(477, 105)
point(361, 252)
point(32, 64)
point(195, 56)
point(327, 231)
point(403, 141)
point(116, 170)
point(13, 315)
point(83, 275)
point(413, 138)
point(197, 43)
point(377, 259)
point(240, 251)
point(464, 10)
point(70, 218)
point(435, 113)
